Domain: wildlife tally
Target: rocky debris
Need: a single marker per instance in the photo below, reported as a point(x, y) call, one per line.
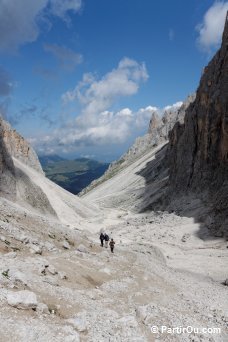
point(62, 275)
point(49, 246)
point(35, 249)
point(42, 309)
point(79, 323)
point(185, 237)
point(225, 282)
point(66, 245)
point(51, 269)
point(22, 299)
point(11, 255)
point(81, 248)
point(18, 277)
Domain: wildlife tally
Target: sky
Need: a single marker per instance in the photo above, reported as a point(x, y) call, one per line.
point(83, 77)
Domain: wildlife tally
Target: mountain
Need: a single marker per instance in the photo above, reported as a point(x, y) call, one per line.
point(49, 159)
point(184, 158)
point(58, 284)
point(198, 149)
point(72, 175)
point(157, 134)
point(23, 181)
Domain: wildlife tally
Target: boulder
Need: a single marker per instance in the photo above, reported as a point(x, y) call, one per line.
point(22, 299)
point(81, 248)
point(51, 269)
point(78, 323)
point(66, 245)
point(42, 309)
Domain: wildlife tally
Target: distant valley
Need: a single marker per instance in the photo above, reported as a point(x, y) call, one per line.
point(72, 175)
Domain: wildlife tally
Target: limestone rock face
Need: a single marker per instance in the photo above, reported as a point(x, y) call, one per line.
point(7, 170)
point(198, 150)
point(159, 127)
point(18, 147)
point(154, 122)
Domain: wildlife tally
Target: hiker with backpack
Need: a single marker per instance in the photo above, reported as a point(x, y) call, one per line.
point(112, 244)
point(102, 237)
point(106, 238)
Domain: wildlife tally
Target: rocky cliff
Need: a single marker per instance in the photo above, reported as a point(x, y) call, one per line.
point(18, 147)
point(198, 148)
point(22, 181)
point(7, 170)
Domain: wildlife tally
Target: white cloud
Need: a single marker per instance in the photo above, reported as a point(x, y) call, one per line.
point(19, 20)
point(112, 128)
point(174, 106)
point(98, 124)
point(211, 29)
point(96, 96)
point(143, 116)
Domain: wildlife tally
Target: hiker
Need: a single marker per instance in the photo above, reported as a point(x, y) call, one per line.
point(106, 238)
point(111, 244)
point(102, 239)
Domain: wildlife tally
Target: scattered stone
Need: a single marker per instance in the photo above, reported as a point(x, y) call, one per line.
point(22, 299)
point(66, 245)
point(35, 249)
point(6, 273)
point(225, 282)
point(11, 255)
point(62, 275)
point(106, 270)
point(81, 248)
point(185, 237)
point(78, 323)
point(51, 235)
point(49, 246)
point(23, 239)
point(51, 269)
point(2, 238)
point(19, 277)
point(141, 312)
point(42, 309)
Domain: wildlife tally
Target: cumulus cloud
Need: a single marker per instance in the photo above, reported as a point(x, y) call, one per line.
point(19, 20)
point(174, 106)
point(211, 29)
point(98, 124)
point(96, 96)
point(112, 128)
point(67, 58)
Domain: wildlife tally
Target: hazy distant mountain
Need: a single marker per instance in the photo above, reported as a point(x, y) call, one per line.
point(45, 160)
point(72, 175)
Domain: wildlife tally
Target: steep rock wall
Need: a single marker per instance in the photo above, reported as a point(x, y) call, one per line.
point(198, 149)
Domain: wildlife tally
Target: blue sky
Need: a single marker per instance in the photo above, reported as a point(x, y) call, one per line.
point(82, 77)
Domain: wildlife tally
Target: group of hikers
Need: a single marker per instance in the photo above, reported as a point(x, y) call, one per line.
point(105, 238)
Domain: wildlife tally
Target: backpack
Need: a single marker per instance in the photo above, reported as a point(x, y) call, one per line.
point(106, 237)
